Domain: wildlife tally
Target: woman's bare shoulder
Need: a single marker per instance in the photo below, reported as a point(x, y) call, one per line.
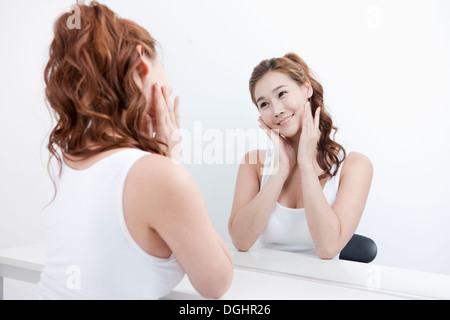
point(254, 161)
point(254, 158)
point(357, 163)
point(160, 169)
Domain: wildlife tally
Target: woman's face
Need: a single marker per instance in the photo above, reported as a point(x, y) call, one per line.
point(281, 102)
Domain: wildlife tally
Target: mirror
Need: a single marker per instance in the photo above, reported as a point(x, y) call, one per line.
point(385, 72)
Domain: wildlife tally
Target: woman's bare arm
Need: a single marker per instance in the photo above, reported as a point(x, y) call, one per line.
point(332, 227)
point(251, 207)
point(167, 195)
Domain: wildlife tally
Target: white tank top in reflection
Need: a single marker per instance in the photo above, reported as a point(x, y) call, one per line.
point(287, 228)
point(90, 253)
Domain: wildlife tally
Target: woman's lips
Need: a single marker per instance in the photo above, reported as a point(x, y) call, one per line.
point(285, 121)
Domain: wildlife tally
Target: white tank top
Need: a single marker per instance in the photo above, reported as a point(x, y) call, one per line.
point(287, 228)
point(90, 253)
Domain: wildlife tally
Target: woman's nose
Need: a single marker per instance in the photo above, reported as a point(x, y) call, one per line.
point(278, 110)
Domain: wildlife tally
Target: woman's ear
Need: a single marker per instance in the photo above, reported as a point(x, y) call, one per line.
point(309, 89)
point(143, 67)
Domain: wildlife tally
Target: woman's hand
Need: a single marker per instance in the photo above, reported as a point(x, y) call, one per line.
point(307, 149)
point(165, 124)
point(285, 157)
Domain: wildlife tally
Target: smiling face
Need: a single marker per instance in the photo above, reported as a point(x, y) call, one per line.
point(281, 102)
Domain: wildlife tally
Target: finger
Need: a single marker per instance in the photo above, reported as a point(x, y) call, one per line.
point(310, 113)
point(310, 116)
point(260, 120)
point(166, 96)
point(273, 135)
point(149, 124)
point(167, 104)
point(264, 125)
point(172, 113)
point(264, 128)
point(176, 110)
point(307, 107)
point(160, 109)
point(307, 114)
point(267, 132)
point(317, 118)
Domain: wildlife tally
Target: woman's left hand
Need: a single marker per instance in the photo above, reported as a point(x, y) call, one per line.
point(307, 149)
point(166, 123)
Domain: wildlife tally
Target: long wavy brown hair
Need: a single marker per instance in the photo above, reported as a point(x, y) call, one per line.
point(329, 151)
point(90, 86)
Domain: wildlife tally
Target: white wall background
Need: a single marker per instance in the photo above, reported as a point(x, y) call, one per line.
point(384, 66)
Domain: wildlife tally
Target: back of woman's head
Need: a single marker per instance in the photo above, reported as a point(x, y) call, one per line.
point(91, 87)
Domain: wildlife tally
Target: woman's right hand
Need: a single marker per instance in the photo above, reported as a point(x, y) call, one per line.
point(285, 157)
point(164, 125)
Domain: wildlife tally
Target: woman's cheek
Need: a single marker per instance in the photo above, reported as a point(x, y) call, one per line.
point(266, 118)
point(268, 123)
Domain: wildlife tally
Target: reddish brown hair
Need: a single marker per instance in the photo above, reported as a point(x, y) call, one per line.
point(294, 67)
point(90, 84)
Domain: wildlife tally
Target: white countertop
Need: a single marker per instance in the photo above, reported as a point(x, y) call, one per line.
point(383, 279)
point(251, 285)
point(30, 257)
point(275, 275)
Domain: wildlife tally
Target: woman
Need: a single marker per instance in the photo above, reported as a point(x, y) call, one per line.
point(307, 195)
point(126, 222)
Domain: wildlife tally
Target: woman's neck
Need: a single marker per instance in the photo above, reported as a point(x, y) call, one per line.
point(295, 140)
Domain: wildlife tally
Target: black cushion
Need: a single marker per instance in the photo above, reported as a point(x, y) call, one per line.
point(359, 249)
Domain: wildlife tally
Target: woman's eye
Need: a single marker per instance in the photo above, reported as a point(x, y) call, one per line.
point(264, 104)
point(281, 94)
